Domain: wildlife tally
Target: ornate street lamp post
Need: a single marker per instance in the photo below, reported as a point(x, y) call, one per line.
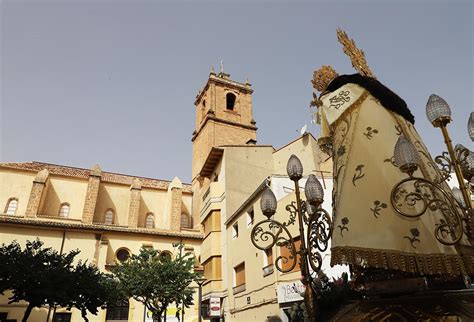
point(413, 196)
point(270, 232)
point(439, 114)
point(199, 282)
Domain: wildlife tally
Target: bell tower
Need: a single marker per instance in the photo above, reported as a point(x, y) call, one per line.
point(223, 117)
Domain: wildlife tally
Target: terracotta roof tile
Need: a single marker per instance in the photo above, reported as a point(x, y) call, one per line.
point(84, 173)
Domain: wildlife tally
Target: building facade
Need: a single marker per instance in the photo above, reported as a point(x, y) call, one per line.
point(230, 171)
point(109, 216)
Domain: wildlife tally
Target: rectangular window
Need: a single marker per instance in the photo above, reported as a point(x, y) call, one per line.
point(206, 224)
point(268, 257)
point(285, 252)
point(212, 222)
point(235, 230)
point(119, 311)
point(213, 268)
point(250, 216)
point(267, 262)
point(62, 317)
point(239, 272)
point(208, 269)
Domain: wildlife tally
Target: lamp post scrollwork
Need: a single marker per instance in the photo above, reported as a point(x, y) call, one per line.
point(270, 232)
point(413, 196)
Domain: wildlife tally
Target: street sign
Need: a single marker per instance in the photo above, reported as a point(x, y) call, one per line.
point(290, 291)
point(215, 306)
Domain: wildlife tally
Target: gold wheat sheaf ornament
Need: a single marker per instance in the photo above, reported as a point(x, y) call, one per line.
point(323, 76)
point(356, 55)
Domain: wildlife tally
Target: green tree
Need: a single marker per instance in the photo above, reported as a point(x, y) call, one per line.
point(91, 290)
point(157, 280)
point(42, 276)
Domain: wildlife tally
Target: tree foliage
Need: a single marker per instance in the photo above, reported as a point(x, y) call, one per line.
point(91, 290)
point(42, 276)
point(156, 280)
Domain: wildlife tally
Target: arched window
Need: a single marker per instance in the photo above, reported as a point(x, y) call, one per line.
point(166, 254)
point(185, 221)
point(122, 254)
point(150, 220)
point(12, 205)
point(230, 101)
point(64, 210)
point(109, 217)
point(117, 311)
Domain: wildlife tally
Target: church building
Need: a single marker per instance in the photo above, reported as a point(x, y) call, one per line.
point(108, 216)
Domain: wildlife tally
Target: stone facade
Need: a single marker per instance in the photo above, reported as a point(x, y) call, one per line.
point(176, 194)
point(176, 190)
point(226, 169)
point(36, 193)
point(218, 125)
point(134, 208)
point(91, 195)
point(41, 189)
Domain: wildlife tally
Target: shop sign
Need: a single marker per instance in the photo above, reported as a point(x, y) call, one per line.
point(290, 291)
point(215, 306)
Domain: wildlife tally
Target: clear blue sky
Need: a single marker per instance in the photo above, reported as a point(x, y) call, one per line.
point(113, 82)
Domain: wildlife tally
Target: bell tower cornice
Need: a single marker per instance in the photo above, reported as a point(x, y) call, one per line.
point(224, 80)
point(211, 117)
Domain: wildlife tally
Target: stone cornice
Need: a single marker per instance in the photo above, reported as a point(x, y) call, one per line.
point(245, 88)
point(211, 117)
point(15, 220)
point(108, 177)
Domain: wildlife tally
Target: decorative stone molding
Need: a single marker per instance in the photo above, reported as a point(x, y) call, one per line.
point(100, 228)
point(136, 184)
point(96, 171)
point(42, 176)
